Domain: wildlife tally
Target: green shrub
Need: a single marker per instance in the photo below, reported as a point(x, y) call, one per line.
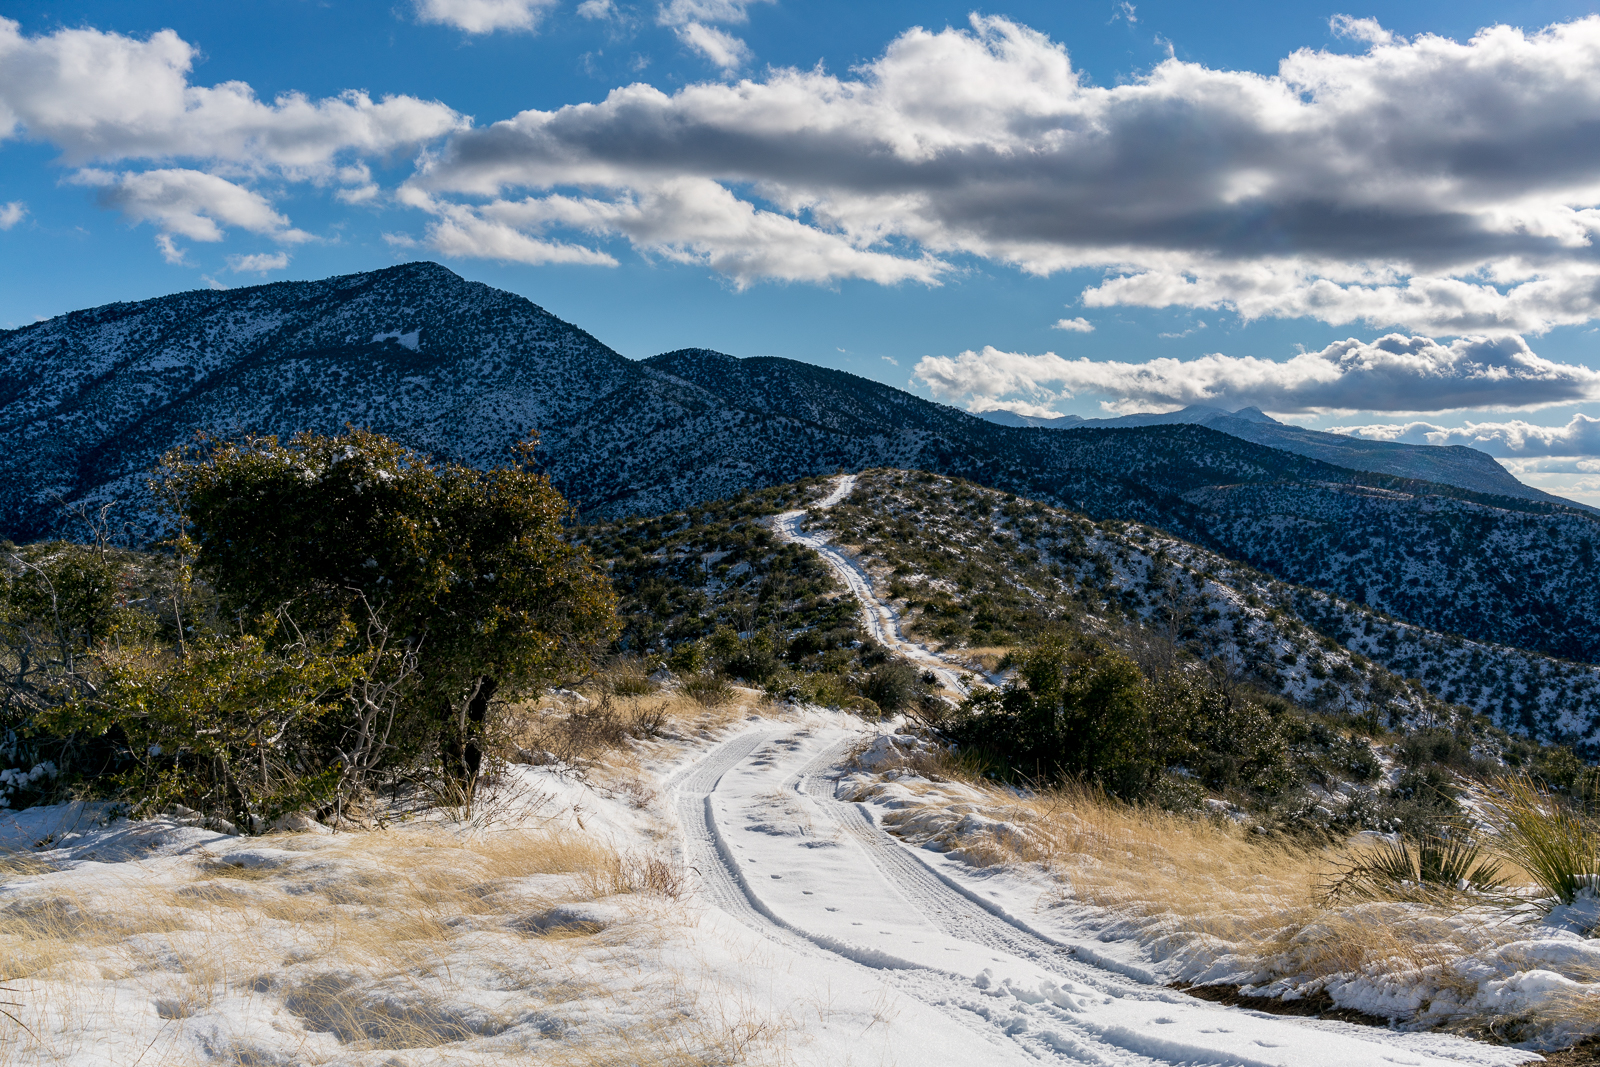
point(60, 605)
point(1076, 714)
point(754, 660)
point(687, 658)
point(239, 725)
point(893, 687)
point(470, 571)
point(1436, 745)
point(1223, 739)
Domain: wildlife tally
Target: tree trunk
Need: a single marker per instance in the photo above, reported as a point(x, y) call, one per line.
point(477, 715)
point(463, 737)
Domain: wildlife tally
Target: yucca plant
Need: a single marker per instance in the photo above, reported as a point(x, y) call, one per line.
point(1411, 870)
point(1556, 844)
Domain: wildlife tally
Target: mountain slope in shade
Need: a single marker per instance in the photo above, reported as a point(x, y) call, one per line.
point(90, 400)
point(1457, 465)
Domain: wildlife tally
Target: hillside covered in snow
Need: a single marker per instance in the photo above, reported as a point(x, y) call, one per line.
point(90, 401)
point(968, 568)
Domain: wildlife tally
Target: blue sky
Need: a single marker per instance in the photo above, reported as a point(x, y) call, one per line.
point(1381, 221)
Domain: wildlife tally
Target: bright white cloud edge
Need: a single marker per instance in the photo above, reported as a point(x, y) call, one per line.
point(1379, 168)
point(484, 16)
point(1396, 373)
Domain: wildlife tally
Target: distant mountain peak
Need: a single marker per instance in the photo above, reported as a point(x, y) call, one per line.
point(90, 400)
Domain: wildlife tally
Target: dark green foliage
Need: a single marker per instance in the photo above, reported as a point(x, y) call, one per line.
point(370, 610)
point(1326, 751)
point(754, 660)
point(60, 605)
point(680, 577)
point(470, 572)
point(1436, 745)
point(237, 724)
point(1006, 589)
point(894, 686)
point(1221, 739)
point(1076, 713)
point(713, 588)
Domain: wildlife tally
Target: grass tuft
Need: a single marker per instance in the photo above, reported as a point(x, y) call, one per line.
point(1556, 845)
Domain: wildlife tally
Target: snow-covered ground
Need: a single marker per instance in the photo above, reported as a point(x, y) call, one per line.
point(734, 906)
point(976, 979)
point(809, 936)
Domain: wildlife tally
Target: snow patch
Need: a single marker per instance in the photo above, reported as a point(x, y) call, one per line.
point(410, 340)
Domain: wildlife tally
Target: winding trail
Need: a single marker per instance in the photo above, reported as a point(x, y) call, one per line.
point(880, 619)
point(836, 897)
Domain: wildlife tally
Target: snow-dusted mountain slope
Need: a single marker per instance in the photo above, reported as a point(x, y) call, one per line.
point(964, 566)
point(1457, 465)
point(90, 400)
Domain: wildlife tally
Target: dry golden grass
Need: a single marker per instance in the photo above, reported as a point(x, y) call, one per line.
point(601, 729)
point(367, 942)
point(981, 657)
point(1190, 884)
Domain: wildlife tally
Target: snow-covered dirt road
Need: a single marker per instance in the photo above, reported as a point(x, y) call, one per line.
point(820, 878)
point(880, 619)
point(840, 901)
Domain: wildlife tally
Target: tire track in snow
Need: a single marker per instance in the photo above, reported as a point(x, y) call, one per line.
point(1091, 1017)
point(956, 910)
point(719, 882)
point(725, 887)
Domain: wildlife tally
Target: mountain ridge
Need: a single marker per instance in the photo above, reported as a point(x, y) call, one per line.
point(89, 401)
point(1457, 465)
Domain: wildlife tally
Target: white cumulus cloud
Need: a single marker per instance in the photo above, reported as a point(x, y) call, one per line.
point(683, 12)
point(1443, 186)
point(187, 203)
point(692, 221)
point(108, 97)
point(1394, 373)
point(723, 49)
point(1077, 325)
point(1514, 439)
point(11, 214)
point(693, 21)
point(258, 263)
point(484, 16)
point(462, 231)
point(1370, 31)
point(103, 97)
